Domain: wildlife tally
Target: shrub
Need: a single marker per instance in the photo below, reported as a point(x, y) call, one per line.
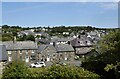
point(62, 72)
point(16, 70)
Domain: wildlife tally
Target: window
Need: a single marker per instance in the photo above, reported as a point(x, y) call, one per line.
point(33, 51)
point(33, 57)
point(15, 51)
point(20, 51)
point(9, 52)
point(26, 51)
point(9, 58)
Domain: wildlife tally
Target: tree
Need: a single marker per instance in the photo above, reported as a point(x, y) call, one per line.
point(16, 70)
point(30, 37)
point(7, 37)
point(63, 72)
point(108, 56)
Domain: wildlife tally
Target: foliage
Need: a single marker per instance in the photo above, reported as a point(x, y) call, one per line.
point(108, 54)
point(26, 37)
point(30, 37)
point(16, 70)
point(7, 37)
point(19, 70)
point(62, 72)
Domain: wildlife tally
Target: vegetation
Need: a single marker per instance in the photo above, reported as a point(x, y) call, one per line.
point(58, 31)
point(18, 69)
point(106, 62)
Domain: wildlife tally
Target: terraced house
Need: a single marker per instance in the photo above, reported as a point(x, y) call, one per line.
point(56, 52)
point(21, 50)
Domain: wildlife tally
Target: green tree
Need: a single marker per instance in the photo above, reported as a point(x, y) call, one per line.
point(30, 37)
point(63, 72)
point(16, 70)
point(108, 56)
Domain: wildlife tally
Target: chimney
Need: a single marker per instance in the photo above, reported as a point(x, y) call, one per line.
point(14, 40)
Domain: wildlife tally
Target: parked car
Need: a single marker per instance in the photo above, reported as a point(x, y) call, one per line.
point(37, 64)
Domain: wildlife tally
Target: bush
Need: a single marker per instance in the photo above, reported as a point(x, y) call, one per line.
point(62, 72)
point(16, 70)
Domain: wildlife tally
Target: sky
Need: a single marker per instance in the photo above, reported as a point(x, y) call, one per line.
point(97, 14)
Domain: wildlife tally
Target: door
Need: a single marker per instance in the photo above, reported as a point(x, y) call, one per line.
point(27, 59)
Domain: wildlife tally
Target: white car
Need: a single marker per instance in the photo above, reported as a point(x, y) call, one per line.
point(38, 64)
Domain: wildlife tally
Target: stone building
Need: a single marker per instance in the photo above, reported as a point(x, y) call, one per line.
point(21, 50)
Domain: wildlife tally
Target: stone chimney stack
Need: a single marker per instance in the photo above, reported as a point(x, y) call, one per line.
point(14, 40)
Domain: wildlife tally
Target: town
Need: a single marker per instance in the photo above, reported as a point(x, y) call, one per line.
point(50, 45)
point(64, 47)
point(59, 39)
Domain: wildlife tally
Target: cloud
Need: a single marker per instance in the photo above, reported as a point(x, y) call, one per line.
point(109, 5)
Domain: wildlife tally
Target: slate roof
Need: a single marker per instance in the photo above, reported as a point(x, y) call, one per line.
point(20, 45)
point(61, 39)
point(45, 41)
point(41, 48)
point(3, 53)
point(77, 42)
point(64, 48)
point(83, 50)
point(27, 31)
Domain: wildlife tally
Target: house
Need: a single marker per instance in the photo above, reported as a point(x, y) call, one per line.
point(65, 40)
point(82, 45)
point(42, 35)
point(65, 33)
point(65, 52)
point(25, 32)
point(3, 53)
point(42, 41)
point(21, 50)
point(46, 52)
point(56, 52)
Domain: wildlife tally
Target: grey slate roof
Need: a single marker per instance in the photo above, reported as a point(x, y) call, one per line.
point(77, 42)
point(82, 51)
point(61, 39)
point(57, 48)
point(3, 53)
point(20, 45)
point(27, 31)
point(42, 49)
point(45, 41)
point(64, 48)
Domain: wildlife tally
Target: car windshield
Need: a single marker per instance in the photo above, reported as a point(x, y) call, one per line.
point(35, 63)
point(41, 63)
